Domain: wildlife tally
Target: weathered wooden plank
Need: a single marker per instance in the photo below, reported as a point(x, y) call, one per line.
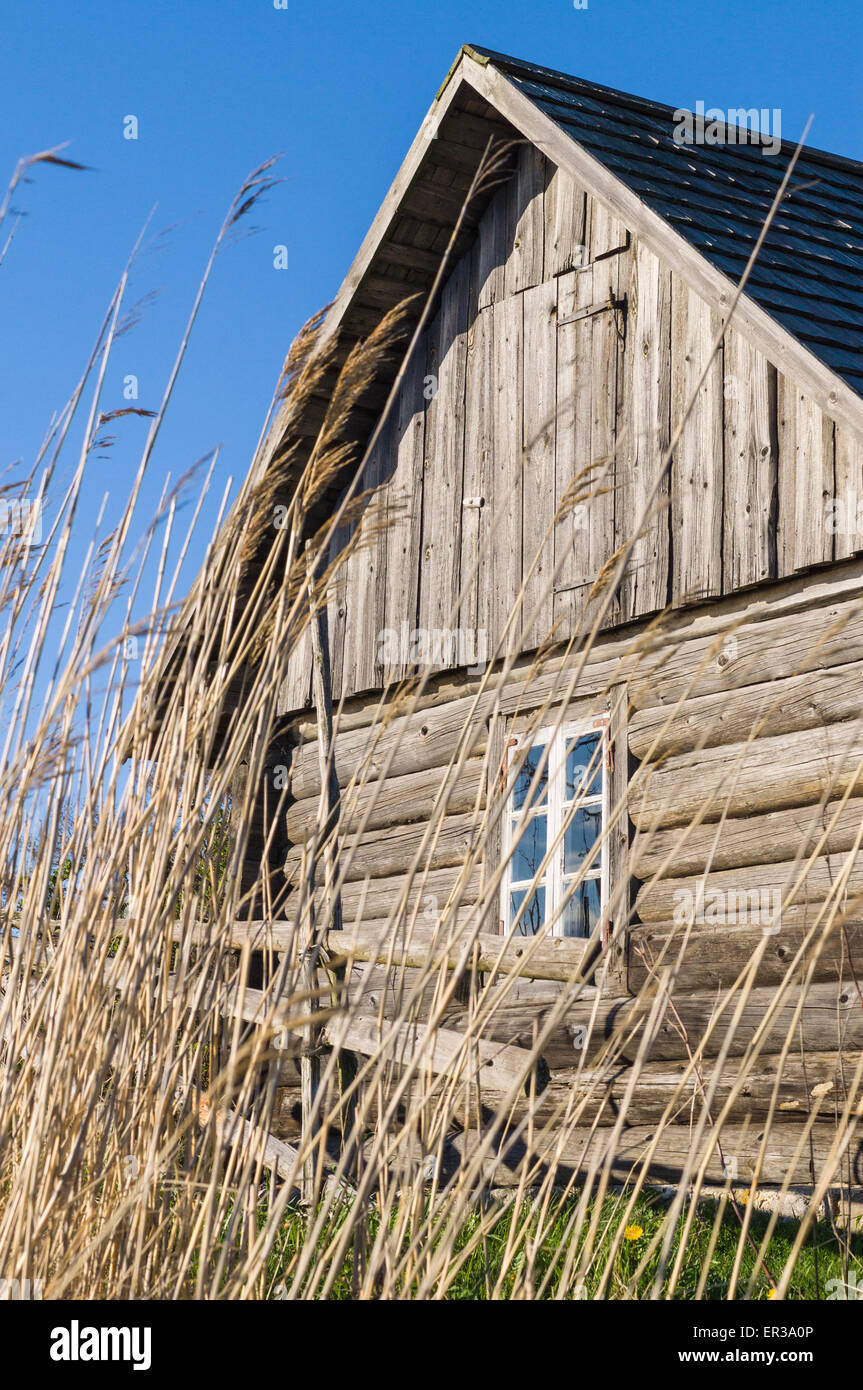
point(715, 956)
point(445, 444)
point(539, 424)
point(751, 463)
point(493, 244)
point(404, 493)
point(608, 235)
point(498, 1068)
point(565, 210)
point(740, 779)
point(587, 386)
point(845, 520)
point(806, 481)
point(478, 491)
point(644, 422)
point(783, 706)
point(365, 578)
point(696, 473)
point(296, 688)
point(756, 890)
point(392, 850)
point(753, 839)
point(576, 478)
point(526, 190)
point(505, 513)
point(395, 800)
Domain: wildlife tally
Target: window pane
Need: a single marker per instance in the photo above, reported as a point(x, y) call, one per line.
point(528, 761)
point(529, 852)
point(578, 758)
point(533, 915)
point(581, 914)
point(579, 838)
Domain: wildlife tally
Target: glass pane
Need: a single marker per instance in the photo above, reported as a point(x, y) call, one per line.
point(579, 838)
point(581, 914)
point(529, 852)
point(534, 914)
point(528, 761)
point(578, 759)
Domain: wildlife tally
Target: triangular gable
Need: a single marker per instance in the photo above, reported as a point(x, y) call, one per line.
point(622, 149)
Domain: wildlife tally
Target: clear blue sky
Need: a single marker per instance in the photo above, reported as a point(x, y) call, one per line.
point(341, 88)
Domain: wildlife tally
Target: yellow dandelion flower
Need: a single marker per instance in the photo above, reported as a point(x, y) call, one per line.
point(771, 1293)
point(633, 1233)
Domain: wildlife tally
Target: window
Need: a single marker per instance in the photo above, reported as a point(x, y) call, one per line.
point(557, 865)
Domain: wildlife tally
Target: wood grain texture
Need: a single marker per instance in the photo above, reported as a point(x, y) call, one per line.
point(477, 495)
point(539, 428)
point(444, 459)
point(395, 800)
point(740, 779)
point(404, 501)
point(756, 889)
point(846, 520)
point(716, 956)
point(767, 708)
point(644, 419)
point(751, 465)
point(524, 265)
point(504, 516)
point(806, 480)
point(696, 473)
point(755, 839)
point(564, 211)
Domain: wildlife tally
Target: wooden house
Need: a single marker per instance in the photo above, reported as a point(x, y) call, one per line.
point(522, 458)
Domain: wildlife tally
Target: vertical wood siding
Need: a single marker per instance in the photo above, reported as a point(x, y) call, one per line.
point(527, 442)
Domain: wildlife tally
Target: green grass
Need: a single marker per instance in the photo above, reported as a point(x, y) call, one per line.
point(821, 1260)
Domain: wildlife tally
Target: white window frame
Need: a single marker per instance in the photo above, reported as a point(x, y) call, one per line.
point(557, 739)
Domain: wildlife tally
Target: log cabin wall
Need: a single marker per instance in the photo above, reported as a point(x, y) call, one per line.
point(743, 734)
point(742, 725)
point(525, 444)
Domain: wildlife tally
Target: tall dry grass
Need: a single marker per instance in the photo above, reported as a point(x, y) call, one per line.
point(141, 1072)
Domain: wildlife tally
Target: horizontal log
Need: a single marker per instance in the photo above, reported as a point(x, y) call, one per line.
point(405, 744)
point(738, 841)
point(497, 1068)
point(533, 958)
point(748, 896)
point(820, 1082)
point(807, 701)
point(377, 853)
point(820, 635)
point(394, 801)
point(831, 1018)
point(716, 955)
point(739, 779)
point(420, 944)
point(784, 1156)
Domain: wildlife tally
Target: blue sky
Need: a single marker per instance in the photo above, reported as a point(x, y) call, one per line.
point(220, 85)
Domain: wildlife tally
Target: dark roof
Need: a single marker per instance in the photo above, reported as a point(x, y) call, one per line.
point(809, 274)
